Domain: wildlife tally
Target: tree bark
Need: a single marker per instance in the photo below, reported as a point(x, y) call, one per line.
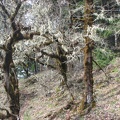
point(11, 83)
point(88, 66)
point(62, 67)
point(10, 79)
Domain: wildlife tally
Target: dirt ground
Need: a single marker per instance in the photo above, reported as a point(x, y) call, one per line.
point(42, 98)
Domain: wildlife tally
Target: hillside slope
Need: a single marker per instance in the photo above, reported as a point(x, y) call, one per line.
point(43, 99)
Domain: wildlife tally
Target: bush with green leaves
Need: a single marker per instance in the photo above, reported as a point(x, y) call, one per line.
point(103, 57)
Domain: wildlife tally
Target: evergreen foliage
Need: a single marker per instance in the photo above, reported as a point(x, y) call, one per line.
point(40, 32)
point(103, 57)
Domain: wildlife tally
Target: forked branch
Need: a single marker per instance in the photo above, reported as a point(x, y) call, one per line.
point(4, 9)
point(16, 10)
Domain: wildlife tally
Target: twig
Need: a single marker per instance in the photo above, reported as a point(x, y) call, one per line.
point(100, 68)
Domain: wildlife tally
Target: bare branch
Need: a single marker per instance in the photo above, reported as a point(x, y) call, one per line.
point(13, 24)
point(50, 55)
point(100, 68)
point(16, 11)
point(4, 9)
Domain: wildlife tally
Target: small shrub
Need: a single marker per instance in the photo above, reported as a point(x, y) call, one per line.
point(103, 57)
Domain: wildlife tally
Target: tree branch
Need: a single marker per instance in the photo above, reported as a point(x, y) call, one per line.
point(29, 35)
point(16, 11)
point(100, 68)
point(4, 9)
point(26, 36)
point(50, 55)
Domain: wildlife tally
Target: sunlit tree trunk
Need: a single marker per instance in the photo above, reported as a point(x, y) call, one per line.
point(89, 44)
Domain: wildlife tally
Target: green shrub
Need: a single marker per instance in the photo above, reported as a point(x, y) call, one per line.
point(102, 57)
point(104, 33)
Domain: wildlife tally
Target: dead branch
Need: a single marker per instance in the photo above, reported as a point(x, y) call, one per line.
point(100, 68)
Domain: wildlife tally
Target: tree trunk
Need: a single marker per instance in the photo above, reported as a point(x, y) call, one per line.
point(61, 63)
point(11, 83)
point(88, 66)
point(62, 67)
point(88, 76)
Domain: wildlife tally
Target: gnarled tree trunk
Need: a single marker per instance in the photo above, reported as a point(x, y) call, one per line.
point(10, 79)
point(11, 82)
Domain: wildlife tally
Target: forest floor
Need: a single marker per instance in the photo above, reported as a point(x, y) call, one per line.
point(42, 98)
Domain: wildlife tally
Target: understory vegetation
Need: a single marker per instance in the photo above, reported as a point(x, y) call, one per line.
point(103, 57)
point(59, 59)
